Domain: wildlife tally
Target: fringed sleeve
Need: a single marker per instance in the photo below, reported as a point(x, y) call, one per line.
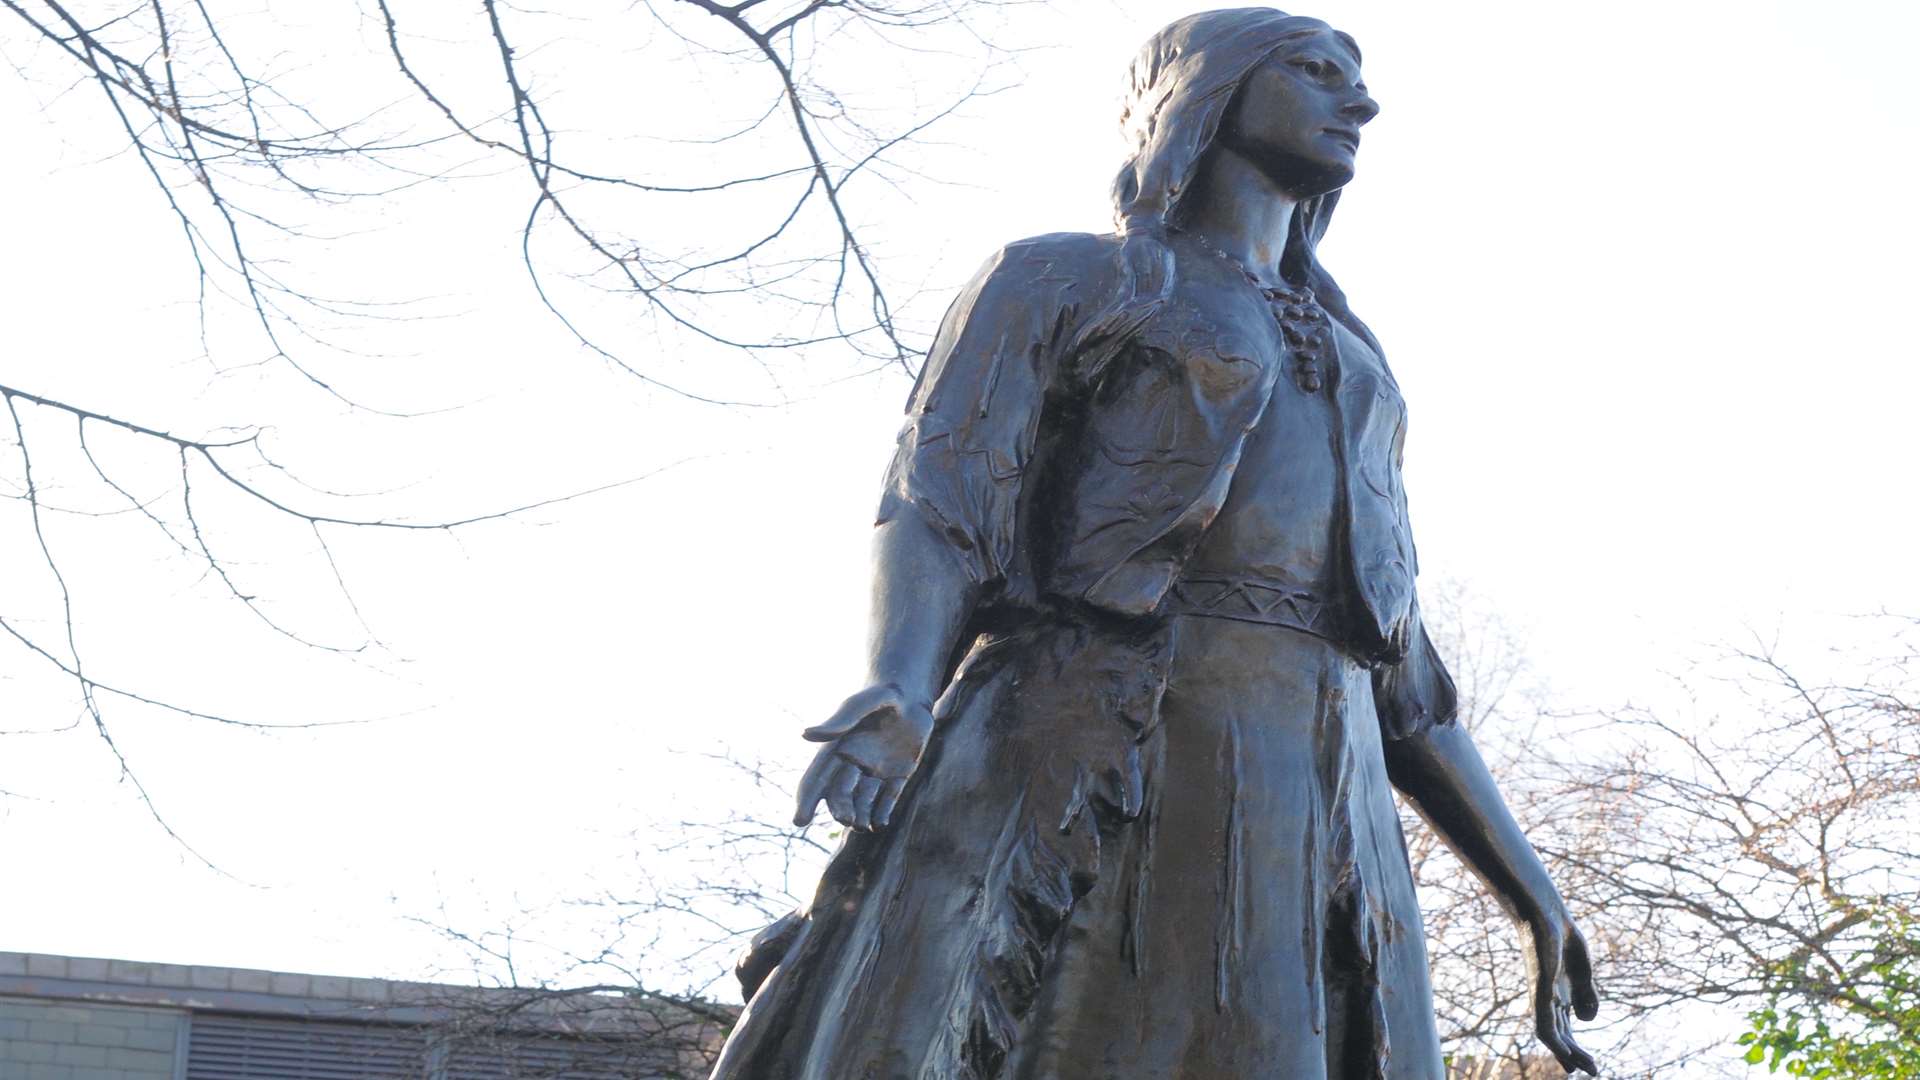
point(1038, 308)
point(1415, 693)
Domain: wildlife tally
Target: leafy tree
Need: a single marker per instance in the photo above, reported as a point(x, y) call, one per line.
point(1865, 1023)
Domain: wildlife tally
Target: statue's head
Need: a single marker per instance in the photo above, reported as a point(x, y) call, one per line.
point(1281, 90)
point(1297, 115)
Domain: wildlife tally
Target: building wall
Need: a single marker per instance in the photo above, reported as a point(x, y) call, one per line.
point(61, 1040)
point(87, 1018)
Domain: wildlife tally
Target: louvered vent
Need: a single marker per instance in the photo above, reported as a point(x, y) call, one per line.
point(551, 1059)
point(262, 1048)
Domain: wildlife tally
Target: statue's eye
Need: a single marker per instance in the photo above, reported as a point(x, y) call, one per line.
point(1316, 69)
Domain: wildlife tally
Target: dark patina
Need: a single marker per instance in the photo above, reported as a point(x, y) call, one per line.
point(1147, 660)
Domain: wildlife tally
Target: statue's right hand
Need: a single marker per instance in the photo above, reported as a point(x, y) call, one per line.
point(872, 743)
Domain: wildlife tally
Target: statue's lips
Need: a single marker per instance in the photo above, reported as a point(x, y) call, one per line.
point(1345, 136)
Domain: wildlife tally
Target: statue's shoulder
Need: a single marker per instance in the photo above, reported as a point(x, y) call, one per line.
point(1073, 262)
point(1032, 300)
point(1066, 245)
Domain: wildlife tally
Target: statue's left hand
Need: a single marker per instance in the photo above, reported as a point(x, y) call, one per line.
point(1562, 988)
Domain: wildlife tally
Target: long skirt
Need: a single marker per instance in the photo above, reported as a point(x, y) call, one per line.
point(1126, 857)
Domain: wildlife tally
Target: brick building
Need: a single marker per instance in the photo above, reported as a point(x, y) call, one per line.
point(79, 1018)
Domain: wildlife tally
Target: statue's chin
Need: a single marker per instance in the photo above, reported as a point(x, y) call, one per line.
point(1304, 177)
point(1329, 177)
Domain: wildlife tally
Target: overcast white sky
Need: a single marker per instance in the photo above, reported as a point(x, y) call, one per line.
point(1645, 271)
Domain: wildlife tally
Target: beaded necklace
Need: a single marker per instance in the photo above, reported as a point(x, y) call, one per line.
point(1303, 323)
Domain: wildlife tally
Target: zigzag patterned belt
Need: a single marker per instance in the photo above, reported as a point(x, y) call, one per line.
point(1257, 601)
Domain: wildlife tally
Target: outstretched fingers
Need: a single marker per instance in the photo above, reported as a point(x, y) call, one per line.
point(864, 792)
point(884, 802)
point(813, 786)
point(840, 793)
point(854, 798)
point(861, 774)
point(830, 779)
point(1572, 1057)
point(1553, 1023)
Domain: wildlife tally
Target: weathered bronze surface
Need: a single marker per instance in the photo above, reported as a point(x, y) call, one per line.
point(1146, 655)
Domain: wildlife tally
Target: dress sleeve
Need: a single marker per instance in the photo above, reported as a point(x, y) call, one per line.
point(1415, 693)
point(1035, 309)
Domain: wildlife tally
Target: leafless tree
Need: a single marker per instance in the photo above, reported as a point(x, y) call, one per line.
point(644, 966)
point(1769, 844)
point(1715, 861)
point(577, 1032)
point(728, 221)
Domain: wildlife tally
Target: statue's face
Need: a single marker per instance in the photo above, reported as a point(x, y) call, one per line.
point(1298, 115)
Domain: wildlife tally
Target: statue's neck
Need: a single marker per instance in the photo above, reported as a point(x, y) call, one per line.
point(1239, 211)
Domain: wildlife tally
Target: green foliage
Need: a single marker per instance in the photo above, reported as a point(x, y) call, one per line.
point(1863, 1024)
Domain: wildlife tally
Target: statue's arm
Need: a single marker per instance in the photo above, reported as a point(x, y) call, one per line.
point(946, 541)
point(922, 598)
point(1442, 774)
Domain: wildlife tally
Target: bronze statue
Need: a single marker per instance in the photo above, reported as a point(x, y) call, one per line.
point(1146, 653)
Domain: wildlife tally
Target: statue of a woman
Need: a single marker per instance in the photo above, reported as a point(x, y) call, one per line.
point(1146, 655)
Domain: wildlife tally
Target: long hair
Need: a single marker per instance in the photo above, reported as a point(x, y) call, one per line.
point(1179, 87)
